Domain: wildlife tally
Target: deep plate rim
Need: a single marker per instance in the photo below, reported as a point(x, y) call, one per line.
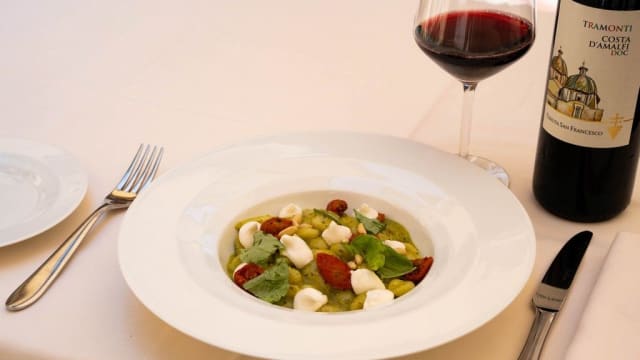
point(206, 169)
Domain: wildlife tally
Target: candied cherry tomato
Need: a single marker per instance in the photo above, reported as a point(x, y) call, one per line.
point(274, 225)
point(422, 268)
point(337, 206)
point(246, 273)
point(334, 271)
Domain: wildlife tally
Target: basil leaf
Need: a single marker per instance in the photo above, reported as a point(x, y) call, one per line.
point(264, 246)
point(328, 214)
point(272, 285)
point(372, 249)
point(382, 259)
point(395, 264)
point(372, 226)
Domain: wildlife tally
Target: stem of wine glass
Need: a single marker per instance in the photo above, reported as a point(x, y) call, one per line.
point(465, 126)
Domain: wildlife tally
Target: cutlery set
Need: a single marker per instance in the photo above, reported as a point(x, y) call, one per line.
point(138, 176)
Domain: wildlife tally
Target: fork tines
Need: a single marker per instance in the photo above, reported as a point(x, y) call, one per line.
point(142, 169)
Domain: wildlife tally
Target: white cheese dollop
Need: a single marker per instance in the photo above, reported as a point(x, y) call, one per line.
point(335, 234)
point(296, 250)
point(291, 211)
point(246, 232)
point(363, 280)
point(398, 246)
point(368, 211)
point(309, 299)
point(378, 297)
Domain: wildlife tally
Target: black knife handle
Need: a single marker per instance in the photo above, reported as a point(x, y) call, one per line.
point(538, 333)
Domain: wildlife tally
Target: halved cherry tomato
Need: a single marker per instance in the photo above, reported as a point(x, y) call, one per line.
point(422, 268)
point(334, 271)
point(338, 206)
point(274, 225)
point(246, 273)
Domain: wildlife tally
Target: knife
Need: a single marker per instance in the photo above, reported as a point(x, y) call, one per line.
point(552, 292)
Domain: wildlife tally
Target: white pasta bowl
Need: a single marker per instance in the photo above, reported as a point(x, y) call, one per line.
point(177, 238)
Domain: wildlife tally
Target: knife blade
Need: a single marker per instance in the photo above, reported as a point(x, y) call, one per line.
point(553, 290)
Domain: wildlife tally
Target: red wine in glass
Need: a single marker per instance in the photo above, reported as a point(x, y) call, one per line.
point(475, 44)
point(472, 40)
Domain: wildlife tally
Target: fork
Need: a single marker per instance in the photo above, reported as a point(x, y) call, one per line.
point(138, 175)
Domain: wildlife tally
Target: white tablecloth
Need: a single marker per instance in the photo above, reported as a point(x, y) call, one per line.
point(99, 77)
point(610, 324)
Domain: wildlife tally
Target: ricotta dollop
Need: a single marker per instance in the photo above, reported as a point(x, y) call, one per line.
point(363, 280)
point(368, 211)
point(377, 297)
point(335, 234)
point(291, 211)
point(398, 246)
point(246, 232)
point(309, 299)
point(296, 250)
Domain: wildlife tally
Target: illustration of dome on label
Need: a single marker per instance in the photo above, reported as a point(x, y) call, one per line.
point(558, 68)
point(579, 97)
point(582, 82)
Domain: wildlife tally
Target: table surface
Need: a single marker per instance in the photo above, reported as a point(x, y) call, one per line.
point(97, 78)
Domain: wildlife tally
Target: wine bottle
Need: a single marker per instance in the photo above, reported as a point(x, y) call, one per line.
point(589, 138)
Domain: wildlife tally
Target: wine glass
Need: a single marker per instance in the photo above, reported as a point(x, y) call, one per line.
point(472, 40)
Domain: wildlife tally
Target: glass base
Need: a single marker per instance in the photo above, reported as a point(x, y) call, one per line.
point(492, 168)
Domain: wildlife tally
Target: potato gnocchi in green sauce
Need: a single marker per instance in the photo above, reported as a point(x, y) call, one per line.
point(324, 259)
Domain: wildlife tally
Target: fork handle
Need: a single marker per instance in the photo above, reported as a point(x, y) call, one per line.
point(37, 284)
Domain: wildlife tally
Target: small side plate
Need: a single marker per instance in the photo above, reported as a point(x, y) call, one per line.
point(40, 185)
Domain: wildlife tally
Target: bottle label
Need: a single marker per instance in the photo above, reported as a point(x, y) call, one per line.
point(594, 76)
